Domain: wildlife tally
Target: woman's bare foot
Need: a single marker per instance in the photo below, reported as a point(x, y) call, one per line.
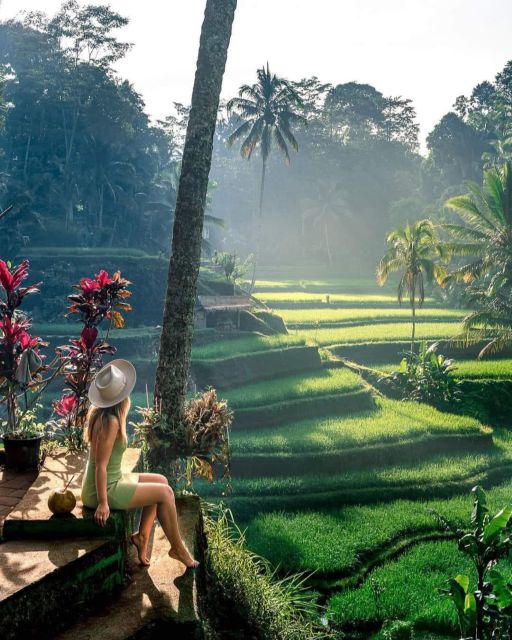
point(141, 543)
point(183, 555)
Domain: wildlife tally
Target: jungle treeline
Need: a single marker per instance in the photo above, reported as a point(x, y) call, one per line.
point(83, 165)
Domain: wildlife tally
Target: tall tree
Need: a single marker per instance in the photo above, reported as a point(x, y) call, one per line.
point(268, 109)
point(178, 322)
point(485, 237)
point(412, 251)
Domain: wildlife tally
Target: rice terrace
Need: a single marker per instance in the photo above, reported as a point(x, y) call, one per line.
point(255, 323)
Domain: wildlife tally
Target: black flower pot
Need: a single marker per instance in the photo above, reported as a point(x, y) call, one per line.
point(22, 454)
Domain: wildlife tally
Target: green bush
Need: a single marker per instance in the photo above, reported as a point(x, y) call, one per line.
point(244, 599)
point(425, 376)
point(251, 322)
point(273, 320)
point(398, 630)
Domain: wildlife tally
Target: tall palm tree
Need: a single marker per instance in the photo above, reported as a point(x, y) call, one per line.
point(413, 252)
point(178, 321)
point(485, 236)
point(267, 109)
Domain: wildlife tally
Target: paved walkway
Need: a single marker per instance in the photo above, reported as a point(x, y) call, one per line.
point(13, 487)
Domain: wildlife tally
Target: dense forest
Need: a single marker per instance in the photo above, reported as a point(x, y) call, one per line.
point(82, 164)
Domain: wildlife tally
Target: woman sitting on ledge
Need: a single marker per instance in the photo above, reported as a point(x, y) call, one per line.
point(104, 486)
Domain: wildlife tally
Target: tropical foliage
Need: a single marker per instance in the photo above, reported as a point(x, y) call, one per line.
point(268, 110)
point(96, 300)
point(426, 376)
point(483, 244)
point(79, 159)
point(486, 611)
point(413, 252)
point(22, 368)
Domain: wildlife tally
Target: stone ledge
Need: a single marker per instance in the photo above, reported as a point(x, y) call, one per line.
point(32, 519)
point(160, 600)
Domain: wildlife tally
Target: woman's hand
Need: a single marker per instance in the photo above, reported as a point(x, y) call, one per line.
point(102, 514)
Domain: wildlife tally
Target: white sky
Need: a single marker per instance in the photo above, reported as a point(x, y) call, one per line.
point(428, 50)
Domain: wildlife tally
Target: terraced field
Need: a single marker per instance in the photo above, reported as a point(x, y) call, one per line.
point(330, 479)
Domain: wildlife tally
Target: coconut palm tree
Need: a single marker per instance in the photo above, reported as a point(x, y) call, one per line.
point(267, 109)
point(485, 236)
point(413, 252)
point(177, 327)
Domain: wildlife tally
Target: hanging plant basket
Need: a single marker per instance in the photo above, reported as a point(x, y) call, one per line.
point(22, 454)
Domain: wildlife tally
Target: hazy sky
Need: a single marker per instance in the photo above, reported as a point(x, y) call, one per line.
point(428, 50)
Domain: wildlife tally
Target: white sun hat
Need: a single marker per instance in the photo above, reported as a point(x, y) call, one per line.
point(113, 383)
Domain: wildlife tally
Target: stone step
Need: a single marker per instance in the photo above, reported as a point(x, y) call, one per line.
point(48, 561)
point(158, 599)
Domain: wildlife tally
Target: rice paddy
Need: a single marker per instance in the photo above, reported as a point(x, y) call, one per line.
point(367, 535)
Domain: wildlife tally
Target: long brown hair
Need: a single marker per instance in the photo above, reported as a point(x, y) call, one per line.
point(100, 416)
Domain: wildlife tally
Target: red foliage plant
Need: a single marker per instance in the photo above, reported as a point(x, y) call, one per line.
point(21, 363)
point(96, 299)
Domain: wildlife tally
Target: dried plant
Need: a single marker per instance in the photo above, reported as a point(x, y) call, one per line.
point(200, 439)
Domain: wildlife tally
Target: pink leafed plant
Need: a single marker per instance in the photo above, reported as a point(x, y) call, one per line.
point(96, 300)
point(22, 367)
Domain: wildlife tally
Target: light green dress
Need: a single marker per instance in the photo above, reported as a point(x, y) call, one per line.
point(120, 486)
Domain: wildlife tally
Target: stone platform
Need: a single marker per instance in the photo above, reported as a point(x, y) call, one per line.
point(46, 561)
point(13, 487)
point(163, 595)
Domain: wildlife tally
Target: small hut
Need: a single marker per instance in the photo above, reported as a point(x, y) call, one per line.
point(220, 312)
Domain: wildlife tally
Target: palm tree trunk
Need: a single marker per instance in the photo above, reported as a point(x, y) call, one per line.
point(260, 223)
point(413, 337)
point(178, 321)
point(327, 244)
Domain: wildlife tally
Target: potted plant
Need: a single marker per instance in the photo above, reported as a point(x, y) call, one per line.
point(22, 371)
point(22, 447)
point(198, 443)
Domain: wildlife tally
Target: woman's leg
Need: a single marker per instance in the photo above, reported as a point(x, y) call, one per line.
point(163, 496)
point(141, 537)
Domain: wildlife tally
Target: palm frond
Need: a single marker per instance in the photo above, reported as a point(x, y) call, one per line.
point(464, 233)
point(466, 208)
point(281, 144)
point(253, 139)
point(242, 130)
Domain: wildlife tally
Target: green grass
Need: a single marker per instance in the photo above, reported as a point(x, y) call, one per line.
point(358, 315)
point(326, 381)
point(379, 333)
point(488, 369)
point(409, 590)
point(356, 285)
point(335, 541)
point(249, 344)
point(297, 297)
point(436, 472)
point(392, 421)
point(499, 369)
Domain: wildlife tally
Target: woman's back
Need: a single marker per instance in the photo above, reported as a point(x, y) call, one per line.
point(117, 489)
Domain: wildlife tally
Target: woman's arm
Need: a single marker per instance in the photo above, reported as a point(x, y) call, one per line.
point(104, 444)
